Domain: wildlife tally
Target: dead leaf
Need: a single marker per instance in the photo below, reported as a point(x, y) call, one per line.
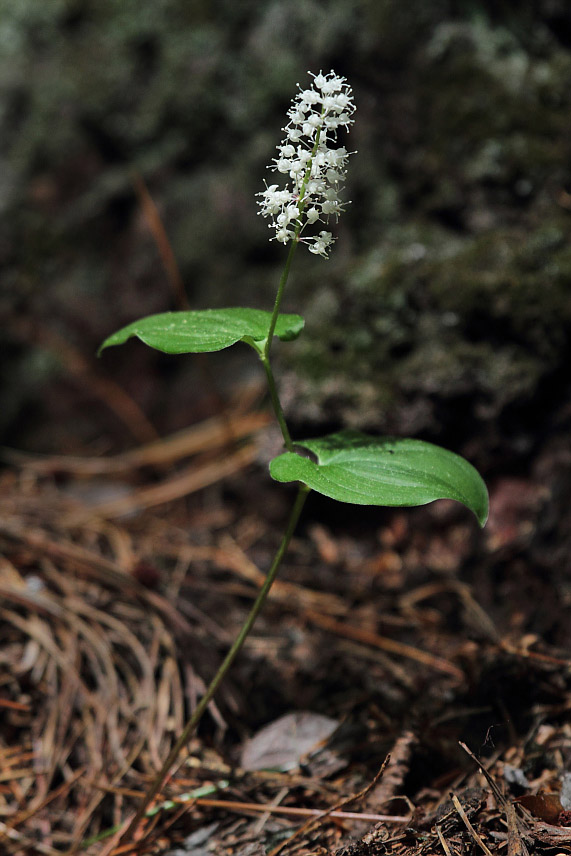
point(282, 744)
point(546, 807)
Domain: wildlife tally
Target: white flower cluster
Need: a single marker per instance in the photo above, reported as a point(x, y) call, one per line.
point(316, 166)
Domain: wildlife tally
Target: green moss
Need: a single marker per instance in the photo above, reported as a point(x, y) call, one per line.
point(484, 322)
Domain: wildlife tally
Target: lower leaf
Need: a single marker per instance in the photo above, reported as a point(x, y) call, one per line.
point(364, 470)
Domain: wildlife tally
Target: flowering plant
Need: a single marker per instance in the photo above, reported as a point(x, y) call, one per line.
point(347, 466)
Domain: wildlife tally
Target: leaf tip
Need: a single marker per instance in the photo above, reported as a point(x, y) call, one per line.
point(483, 514)
point(108, 343)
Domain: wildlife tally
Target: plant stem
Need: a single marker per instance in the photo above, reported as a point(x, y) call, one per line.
point(265, 356)
point(222, 671)
point(279, 295)
point(276, 403)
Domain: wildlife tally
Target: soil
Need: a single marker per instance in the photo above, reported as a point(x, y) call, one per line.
point(435, 654)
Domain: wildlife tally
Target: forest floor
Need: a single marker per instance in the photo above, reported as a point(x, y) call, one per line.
point(406, 690)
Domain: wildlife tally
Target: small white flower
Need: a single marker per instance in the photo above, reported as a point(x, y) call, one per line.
point(283, 236)
point(315, 164)
point(294, 134)
point(310, 97)
point(332, 83)
point(330, 206)
point(321, 244)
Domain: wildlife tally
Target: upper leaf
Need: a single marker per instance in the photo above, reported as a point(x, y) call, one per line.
point(364, 470)
point(206, 330)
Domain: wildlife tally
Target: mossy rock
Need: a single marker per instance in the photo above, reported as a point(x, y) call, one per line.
point(468, 337)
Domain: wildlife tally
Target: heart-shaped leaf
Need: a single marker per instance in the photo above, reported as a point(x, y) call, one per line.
point(206, 330)
point(364, 470)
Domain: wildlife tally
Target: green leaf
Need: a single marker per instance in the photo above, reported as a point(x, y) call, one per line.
point(206, 330)
point(356, 468)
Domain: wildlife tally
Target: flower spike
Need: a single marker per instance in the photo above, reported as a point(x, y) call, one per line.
point(314, 163)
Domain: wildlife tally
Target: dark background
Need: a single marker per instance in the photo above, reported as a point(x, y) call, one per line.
point(445, 308)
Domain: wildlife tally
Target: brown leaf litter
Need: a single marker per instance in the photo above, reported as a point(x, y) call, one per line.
point(419, 639)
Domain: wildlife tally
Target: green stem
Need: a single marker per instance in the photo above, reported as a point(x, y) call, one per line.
point(279, 295)
point(307, 176)
point(276, 403)
point(222, 671)
point(276, 311)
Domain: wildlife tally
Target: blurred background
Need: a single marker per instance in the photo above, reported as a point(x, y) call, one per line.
point(445, 308)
